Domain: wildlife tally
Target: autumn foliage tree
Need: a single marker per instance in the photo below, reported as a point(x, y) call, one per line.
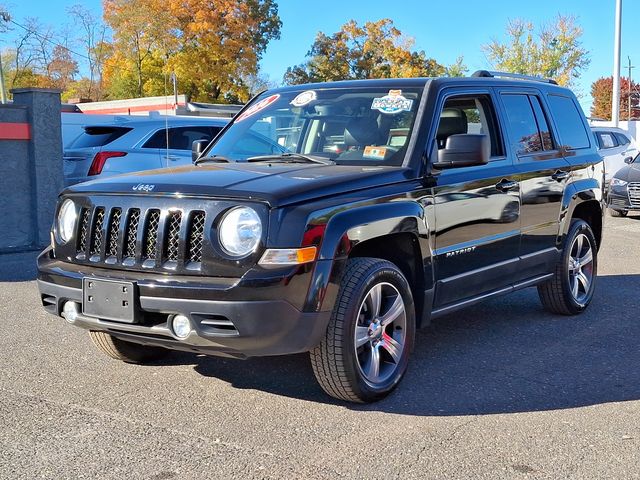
point(553, 50)
point(211, 46)
point(602, 94)
point(373, 50)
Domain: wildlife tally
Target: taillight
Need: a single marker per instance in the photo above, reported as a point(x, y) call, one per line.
point(99, 160)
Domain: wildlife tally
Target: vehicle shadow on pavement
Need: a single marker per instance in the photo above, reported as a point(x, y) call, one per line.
point(504, 356)
point(18, 267)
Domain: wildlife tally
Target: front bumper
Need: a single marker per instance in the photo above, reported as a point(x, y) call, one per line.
point(222, 323)
point(618, 199)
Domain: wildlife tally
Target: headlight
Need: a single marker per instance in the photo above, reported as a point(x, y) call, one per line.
point(240, 231)
point(66, 221)
point(616, 182)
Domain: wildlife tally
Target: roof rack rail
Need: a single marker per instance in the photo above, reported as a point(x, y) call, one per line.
point(517, 76)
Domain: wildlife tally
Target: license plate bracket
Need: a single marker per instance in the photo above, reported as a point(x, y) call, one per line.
point(109, 300)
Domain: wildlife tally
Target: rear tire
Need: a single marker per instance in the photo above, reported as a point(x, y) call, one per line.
point(126, 351)
point(618, 213)
point(571, 289)
point(366, 349)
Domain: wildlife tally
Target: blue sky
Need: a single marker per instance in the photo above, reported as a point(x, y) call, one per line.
point(444, 30)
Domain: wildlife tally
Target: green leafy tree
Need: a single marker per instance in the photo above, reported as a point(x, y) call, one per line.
point(552, 51)
point(374, 50)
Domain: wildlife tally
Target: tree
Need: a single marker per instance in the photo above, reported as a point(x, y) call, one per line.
point(552, 51)
point(92, 38)
point(374, 50)
point(602, 92)
point(210, 46)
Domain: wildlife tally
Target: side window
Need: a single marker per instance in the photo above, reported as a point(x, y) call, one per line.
point(543, 124)
point(181, 138)
point(469, 114)
point(607, 140)
point(523, 127)
point(569, 122)
point(622, 139)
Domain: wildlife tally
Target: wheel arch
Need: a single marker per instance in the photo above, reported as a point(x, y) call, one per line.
point(583, 200)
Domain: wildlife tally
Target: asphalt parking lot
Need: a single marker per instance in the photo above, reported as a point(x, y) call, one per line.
point(503, 390)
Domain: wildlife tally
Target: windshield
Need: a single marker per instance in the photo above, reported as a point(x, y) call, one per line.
point(350, 126)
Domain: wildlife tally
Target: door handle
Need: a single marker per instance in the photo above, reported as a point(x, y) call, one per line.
point(560, 175)
point(505, 185)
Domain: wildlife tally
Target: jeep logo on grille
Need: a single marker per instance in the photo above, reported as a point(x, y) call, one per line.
point(143, 187)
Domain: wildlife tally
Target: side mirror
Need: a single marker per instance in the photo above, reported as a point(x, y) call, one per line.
point(628, 160)
point(197, 147)
point(464, 150)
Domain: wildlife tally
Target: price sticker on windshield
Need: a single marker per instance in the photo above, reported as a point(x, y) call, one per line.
point(392, 103)
point(258, 106)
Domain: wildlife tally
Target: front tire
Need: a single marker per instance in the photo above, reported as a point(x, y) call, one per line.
point(571, 289)
point(126, 351)
point(366, 349)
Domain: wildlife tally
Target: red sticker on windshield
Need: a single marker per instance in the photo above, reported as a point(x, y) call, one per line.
point(256, 107)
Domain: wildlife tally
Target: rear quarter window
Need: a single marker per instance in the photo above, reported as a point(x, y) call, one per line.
point(622, 139)
point(569, 122)
point(98, 136)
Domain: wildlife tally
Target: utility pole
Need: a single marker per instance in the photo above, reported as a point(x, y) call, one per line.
point(630, 89)
point(4, 16)
point(615, 104)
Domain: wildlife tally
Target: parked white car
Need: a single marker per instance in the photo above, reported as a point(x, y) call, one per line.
point(616, 147)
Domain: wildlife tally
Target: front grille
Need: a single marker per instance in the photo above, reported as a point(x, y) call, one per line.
point(151, 238)
point(634, 193)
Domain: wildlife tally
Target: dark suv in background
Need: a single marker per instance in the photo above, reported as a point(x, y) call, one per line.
point(336, 219)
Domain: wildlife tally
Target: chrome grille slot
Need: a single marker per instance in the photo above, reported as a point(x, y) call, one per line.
point(131, 233)
point(151, 234)
point(96, 232)
point(114, 230)
point(85, 215)
point(634, 193)
point(196, 237)
point(172, 243)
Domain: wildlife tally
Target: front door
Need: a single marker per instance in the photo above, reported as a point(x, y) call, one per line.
point(477, 209)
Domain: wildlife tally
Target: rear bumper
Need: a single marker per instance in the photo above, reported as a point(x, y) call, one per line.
point(237, 328)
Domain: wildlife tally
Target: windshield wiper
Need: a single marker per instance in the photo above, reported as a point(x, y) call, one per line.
point(291, 157)
point(213, 158)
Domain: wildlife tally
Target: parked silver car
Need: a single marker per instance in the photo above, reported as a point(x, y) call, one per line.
point(616, 147)
point(131, 144)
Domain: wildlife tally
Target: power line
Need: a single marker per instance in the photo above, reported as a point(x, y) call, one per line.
point(48, 40)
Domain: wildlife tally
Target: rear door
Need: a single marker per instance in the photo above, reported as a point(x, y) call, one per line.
point(180, 140)
point(612, 152)
point(543, 175)
point(477, 208)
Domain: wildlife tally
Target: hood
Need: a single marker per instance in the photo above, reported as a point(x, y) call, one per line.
point(629, 173)
point(277, 184)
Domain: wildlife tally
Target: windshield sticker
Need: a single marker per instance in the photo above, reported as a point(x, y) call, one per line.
point(392, 103)
point(304, 98)
point(256, 107)
point(374, 153)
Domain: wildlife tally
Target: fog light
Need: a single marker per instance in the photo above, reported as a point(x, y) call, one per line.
point(181, 326)
point(70, 311)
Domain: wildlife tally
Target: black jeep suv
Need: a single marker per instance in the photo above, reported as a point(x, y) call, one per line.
point(336, 219)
